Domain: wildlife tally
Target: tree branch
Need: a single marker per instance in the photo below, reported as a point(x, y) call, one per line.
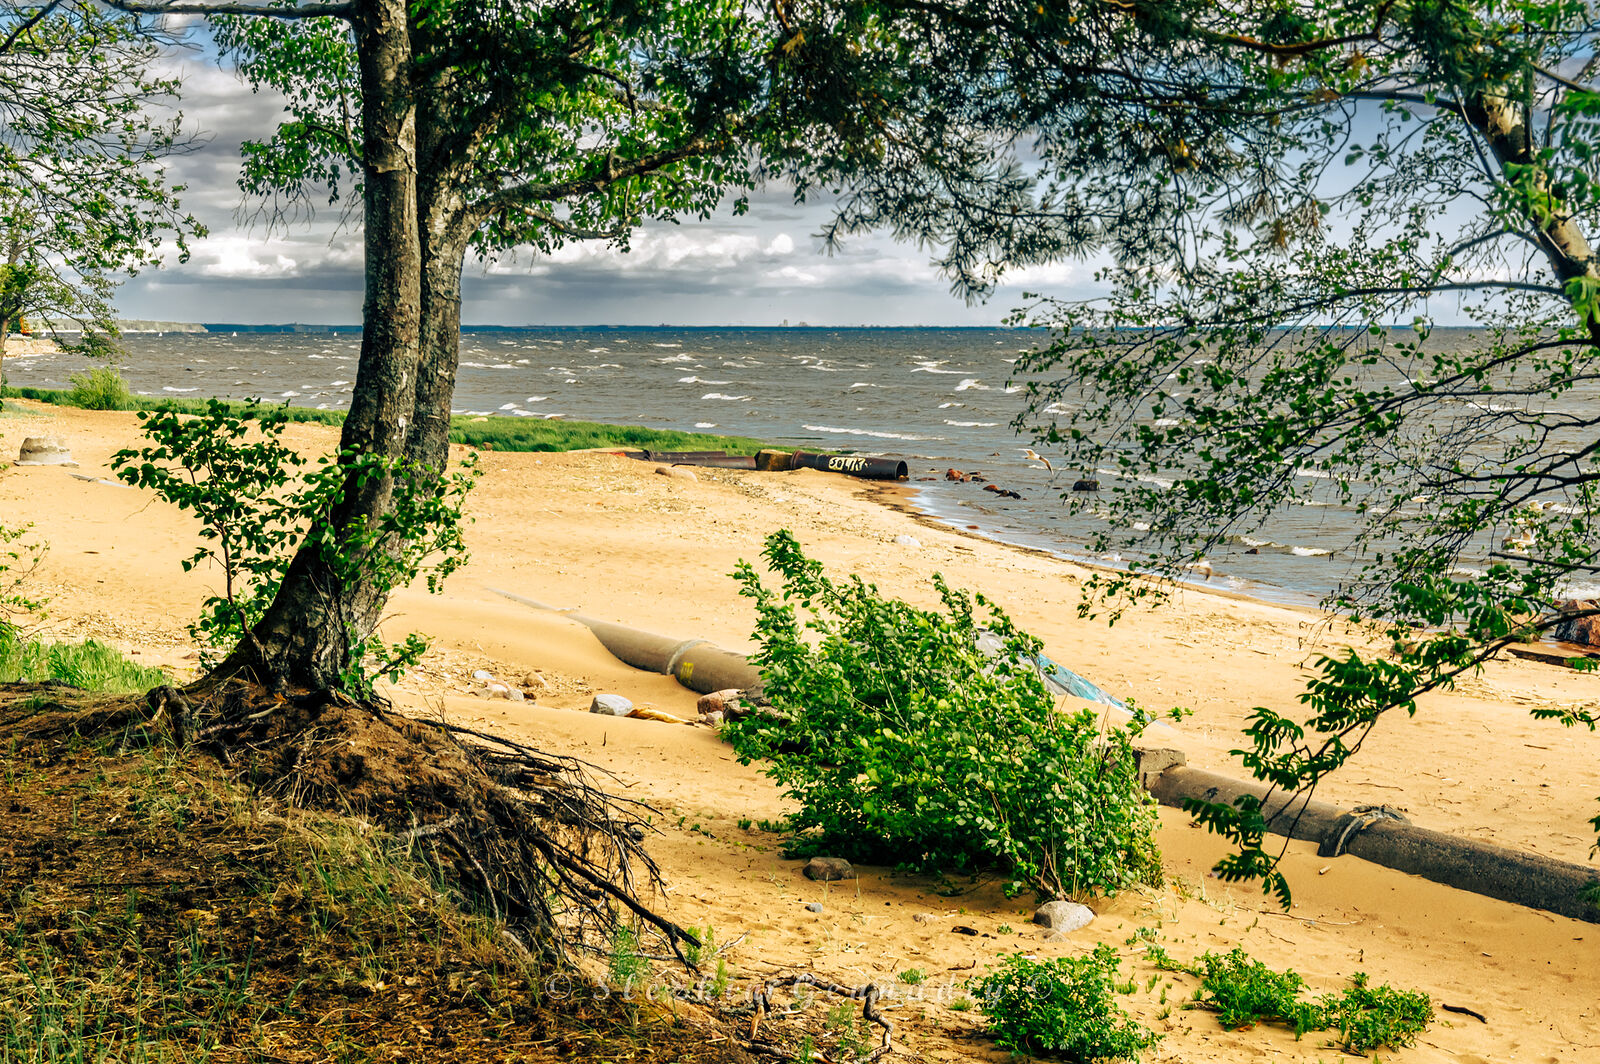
point(200, 7)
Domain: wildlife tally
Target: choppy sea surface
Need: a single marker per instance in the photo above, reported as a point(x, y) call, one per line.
point(940, 398)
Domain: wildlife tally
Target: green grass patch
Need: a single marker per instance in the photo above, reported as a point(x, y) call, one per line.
point(1244, 992)
point(90, 665)
point(98, 392)
point(524, 434)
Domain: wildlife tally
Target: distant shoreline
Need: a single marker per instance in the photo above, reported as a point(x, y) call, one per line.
point(141, 326)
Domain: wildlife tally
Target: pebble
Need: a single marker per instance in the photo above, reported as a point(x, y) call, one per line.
point(904, 540)
point(615, 705)
point(813, 907)
point(676, 472)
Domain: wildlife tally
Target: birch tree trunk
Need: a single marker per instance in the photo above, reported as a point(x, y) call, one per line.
point(306, 635)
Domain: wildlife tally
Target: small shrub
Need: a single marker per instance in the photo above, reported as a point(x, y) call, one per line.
point(913, 977)
point(721, 980)
point(1064, 1007)
point(20, 557)
point(229, 466)
point(1369, 1018)
point(100, 388)
point(625, 965)
point(705, 950)
point(1244, 992)
point(907, 744)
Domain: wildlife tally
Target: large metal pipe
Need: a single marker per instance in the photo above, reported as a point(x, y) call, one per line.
point(1377, 836)
point(697, 664)
point(855, 465)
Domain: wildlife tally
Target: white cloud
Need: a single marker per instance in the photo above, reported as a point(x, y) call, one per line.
point(728, 269)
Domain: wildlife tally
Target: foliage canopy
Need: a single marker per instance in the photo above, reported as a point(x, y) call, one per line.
point(904, 743)
point(1375, 170)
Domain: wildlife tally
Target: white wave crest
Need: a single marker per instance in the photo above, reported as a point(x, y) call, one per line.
point(868, 432)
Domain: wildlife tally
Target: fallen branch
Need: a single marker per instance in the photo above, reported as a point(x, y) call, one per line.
point(868, 995)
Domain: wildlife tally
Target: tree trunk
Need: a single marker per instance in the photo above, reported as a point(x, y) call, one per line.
point(1500, 121)
point(440, 357)
point(306, 637)
point(445, 228)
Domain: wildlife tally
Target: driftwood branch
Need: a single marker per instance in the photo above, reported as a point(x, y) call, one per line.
point(867, 995)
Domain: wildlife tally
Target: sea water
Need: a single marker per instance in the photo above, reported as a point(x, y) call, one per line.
point(940, 398)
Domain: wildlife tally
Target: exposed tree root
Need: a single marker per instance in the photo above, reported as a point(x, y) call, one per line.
point(525, 834)
point(868, 995)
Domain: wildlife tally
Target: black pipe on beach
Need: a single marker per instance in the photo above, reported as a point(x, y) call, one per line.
point(855, 465)
point(1379, 835)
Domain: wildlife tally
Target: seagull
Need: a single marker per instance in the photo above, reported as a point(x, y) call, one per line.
point(1034, 456)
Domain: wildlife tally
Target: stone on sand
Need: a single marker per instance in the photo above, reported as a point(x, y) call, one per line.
point(828, 869)
point(1063, 915)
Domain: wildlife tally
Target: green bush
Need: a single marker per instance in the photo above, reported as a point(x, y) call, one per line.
point(100, 388)
point(1368, 1017)
point(905, 744)
point(1244, 992)
point(1064, 1007)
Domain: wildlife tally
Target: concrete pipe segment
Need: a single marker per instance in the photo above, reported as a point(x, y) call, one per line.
point(1383, 837)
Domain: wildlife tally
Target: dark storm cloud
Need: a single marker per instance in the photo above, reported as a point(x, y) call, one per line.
point(765, 266)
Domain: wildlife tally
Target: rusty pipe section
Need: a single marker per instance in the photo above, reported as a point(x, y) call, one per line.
point(697, 664)
point(855, 465)
point(1466, 864)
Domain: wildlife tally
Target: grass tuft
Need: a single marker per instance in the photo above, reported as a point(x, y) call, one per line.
point(91, 666)
point(100, 388)
point(97, 390)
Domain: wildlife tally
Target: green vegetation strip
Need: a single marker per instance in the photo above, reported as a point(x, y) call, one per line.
point(93, 391)
point(91, 666)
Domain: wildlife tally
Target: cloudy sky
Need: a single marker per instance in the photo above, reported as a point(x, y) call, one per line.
point(764, 268)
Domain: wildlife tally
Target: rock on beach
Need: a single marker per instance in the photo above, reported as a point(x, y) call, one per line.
point(613, 705)
point(1063, 915)
point(828, 869)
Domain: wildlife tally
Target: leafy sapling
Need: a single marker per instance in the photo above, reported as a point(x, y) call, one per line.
point(257, 503)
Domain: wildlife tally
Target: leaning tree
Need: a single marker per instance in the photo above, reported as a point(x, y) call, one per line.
point(478, 127)
point(82, 192)
point(1274, 347)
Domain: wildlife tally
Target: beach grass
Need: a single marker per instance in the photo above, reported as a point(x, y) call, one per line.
point(492, 433)
point(90, 666)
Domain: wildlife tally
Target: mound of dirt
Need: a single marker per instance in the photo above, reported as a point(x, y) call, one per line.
point(155, 905)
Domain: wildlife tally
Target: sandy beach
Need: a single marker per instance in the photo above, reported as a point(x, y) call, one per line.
point(608, 536)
